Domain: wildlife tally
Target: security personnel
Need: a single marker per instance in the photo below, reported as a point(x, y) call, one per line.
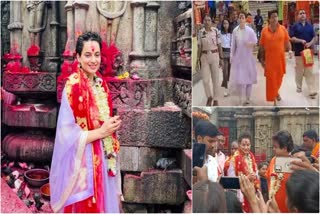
point(210, 56)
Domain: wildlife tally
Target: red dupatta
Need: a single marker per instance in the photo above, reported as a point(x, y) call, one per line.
point(86, 112)
point(242, 166)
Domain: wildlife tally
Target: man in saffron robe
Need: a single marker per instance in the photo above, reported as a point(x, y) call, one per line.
point(273, 43)
point(282, 146)
point(311, 142)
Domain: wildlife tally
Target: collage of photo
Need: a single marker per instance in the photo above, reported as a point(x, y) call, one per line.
point(140, 106)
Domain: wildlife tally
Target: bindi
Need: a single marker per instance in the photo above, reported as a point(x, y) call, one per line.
point(92, 48)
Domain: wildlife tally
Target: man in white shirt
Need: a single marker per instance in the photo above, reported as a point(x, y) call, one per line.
point(220, 155)
point(207, 133)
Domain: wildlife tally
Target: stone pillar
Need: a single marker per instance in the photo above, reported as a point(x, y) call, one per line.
point(265, 126)
point(150, 42)
point(54, 58)
point(70, 46)
point(80, 13)
point(15, 27)
point(151, 39)
point(144, 54)
point(298, 120)
point(244, 121)
point(110, 13)
point(5, 34)
point(227, 123)
point(138, 26)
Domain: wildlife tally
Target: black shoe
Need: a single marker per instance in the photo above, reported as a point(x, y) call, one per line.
point(209, 101)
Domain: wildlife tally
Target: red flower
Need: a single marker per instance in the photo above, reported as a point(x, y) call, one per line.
point(34, 50)
point(108, 55)
point(13, 66)
point(25, 69)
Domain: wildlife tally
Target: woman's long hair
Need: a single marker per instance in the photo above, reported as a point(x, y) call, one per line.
point(223, 31)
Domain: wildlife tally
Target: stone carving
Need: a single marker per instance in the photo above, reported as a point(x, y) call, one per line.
point(104, 6)
point(182, 95)
point(111, 11)
point(5, 35)
point(29, 82)
point(181, 52)
point(144, 52)
point(38, 13)
point(15, 27)
point(263, 135)
point(129, 93)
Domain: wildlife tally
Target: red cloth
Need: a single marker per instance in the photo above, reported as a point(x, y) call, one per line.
point(281, 194)
point(241, 166)
point(86, 111)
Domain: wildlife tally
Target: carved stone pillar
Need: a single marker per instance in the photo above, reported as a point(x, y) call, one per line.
point(138, 26)
point(144, 54)
point(150, 42)
point(298, 120)
point(80, 13)
point(244, 121)
point(265, 125)
point(70, 46)
point(15, 27)
point(54, 58)
point(110, 14)
point(5, 34)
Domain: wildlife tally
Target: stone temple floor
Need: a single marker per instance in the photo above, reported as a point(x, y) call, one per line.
point(258, 98)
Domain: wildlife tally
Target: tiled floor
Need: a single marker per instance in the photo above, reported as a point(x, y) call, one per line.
point(287, 91)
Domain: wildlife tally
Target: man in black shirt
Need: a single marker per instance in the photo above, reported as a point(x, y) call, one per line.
point(258, 22)
point(234, 20)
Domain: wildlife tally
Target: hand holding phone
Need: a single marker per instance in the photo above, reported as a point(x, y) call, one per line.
point(283, 164)
point(198, 154)
point(230, 182)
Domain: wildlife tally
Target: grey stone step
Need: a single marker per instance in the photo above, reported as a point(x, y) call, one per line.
point(165, 127)
point(155, 187)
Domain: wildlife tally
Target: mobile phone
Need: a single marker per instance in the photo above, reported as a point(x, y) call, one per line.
point(115, 112)
point(282, 164)
point(230, 182)
point(198, 154)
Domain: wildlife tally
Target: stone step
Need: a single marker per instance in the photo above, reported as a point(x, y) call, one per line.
point(264, 7)
point(134, 208)
point(32, 82)
point(10, 202)
point(146, 94)
point(155, 187)
point(165, 127)
point(30, 115)
point(138, 159)
point(185, 158)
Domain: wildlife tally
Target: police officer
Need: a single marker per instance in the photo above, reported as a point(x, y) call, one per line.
point(210, 56)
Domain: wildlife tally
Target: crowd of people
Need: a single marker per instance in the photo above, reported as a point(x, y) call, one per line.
point(263, 187)
point(229, 44)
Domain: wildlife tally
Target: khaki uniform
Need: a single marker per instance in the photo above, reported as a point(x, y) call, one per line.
point(208, 43)
point(301, 71)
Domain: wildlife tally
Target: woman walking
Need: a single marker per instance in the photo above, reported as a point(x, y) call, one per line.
point(243, 71)
point(226, 46)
